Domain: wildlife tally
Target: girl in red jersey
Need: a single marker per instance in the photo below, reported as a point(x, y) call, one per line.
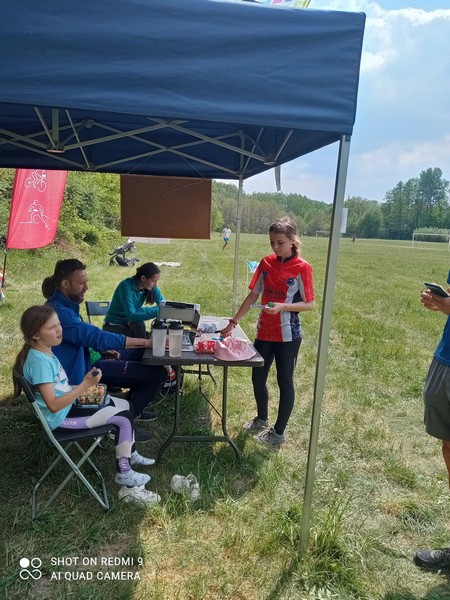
point(285, 281)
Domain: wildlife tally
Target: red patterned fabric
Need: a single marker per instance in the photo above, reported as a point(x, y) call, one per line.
point(35, 206)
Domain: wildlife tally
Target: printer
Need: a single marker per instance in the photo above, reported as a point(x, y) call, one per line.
point(187, 313)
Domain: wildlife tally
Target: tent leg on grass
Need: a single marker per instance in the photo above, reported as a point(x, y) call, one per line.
point(236, 246)
point(324, 335)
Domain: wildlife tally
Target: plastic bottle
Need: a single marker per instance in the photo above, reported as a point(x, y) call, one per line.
point(175, 338)
point(159, 332)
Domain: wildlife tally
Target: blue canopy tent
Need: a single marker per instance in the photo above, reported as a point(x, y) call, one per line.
point(201, 88)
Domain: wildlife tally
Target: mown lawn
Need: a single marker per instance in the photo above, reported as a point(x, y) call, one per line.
point(380, 491)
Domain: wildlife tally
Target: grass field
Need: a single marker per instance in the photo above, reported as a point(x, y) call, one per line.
point(380, 490)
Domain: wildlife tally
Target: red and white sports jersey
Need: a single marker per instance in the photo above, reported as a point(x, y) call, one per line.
point(287, 281)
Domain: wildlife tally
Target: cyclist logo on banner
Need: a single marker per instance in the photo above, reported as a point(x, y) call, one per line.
point(37, 180)
point(37, 197)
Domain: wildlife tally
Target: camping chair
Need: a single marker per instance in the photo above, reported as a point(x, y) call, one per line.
point(62, 440)
point(96, 309)
point(99, 309)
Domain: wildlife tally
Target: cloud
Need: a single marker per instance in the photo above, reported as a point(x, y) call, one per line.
point(402, 124)
point(411, 157)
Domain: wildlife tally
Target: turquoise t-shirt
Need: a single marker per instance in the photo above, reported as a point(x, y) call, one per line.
point(42, 368)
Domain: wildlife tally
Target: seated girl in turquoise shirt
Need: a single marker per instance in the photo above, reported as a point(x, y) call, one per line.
point(56, 398)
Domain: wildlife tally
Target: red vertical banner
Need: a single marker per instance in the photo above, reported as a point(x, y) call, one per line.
point(35, 207)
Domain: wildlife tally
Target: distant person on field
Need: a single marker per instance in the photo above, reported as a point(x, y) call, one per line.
point(353, 238)
point(226, 237)
point(55, 397)
point(437, 415)
point(284, 280)
point(135, 300)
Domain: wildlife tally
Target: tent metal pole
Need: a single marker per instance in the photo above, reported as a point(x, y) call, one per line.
point(322, 351)
point(2, 283)
point(236, 245)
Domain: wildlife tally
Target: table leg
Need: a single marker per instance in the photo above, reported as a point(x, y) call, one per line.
point(173, 437)
point(224, 413)
point(176, 418)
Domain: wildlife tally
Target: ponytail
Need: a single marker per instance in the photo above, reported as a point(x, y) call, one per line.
point(48, 287)
point(18, 369)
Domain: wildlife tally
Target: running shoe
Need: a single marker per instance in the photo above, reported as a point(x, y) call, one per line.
point(255, 424)
point(270, 437)
point(131, 478)
point(139, 495)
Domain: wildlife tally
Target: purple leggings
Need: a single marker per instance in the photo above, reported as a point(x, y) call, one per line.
point(116, 413)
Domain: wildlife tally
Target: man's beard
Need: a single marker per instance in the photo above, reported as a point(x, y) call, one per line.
point(77, 298)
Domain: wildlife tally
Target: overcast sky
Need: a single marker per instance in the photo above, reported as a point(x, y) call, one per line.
point(403, 116)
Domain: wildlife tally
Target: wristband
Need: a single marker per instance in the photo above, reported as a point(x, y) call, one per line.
point(232, 322)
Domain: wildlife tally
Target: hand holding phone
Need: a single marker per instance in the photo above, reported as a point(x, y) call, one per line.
point(437, 289)
point(268, 305)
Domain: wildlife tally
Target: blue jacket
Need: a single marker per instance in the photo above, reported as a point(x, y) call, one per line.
point(78, 337)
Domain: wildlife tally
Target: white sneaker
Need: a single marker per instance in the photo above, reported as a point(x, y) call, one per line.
point(137, 459)
point(188, 486)
point(139, 495)
point(131, 478)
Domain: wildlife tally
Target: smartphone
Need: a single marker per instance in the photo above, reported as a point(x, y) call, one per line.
point(437, 289)
point(259, 306)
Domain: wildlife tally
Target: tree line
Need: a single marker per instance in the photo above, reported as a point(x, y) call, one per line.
point(421, 203)
point(90, 211)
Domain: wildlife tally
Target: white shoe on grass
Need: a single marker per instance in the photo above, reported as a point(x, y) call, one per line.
point(131, 478)
point(137, 459)
point(188, 486)
point(139, 495)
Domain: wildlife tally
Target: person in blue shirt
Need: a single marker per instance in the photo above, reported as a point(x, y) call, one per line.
point(436, 397)
point(85, 345)
point(436, 392)
point(135, 301)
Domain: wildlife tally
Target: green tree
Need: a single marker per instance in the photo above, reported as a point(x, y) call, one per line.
point(361, 212)
point(433, 197)
point(398, 210)
point(371, 223)
point(418, 203)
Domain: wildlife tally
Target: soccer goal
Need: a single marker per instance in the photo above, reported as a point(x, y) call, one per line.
point(443, 238)
point(323, 233)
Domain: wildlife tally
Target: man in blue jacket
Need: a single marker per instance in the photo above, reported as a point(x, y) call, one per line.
point(437, 415)
point(85, 345)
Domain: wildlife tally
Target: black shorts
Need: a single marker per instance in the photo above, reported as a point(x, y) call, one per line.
point(436, 396)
